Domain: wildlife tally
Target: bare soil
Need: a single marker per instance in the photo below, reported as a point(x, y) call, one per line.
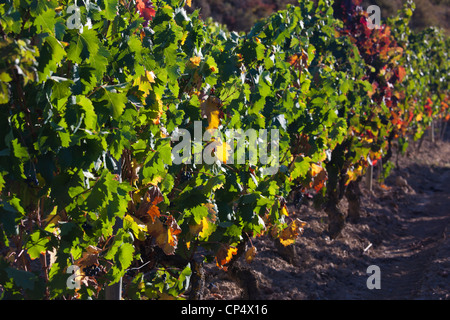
point(404, 229)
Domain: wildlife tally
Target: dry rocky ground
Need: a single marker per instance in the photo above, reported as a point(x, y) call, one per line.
point(404, 229)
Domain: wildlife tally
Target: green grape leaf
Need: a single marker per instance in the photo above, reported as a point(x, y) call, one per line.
point(115, 101)
point(90, 117)
point(50, 57)
point(110, 9)
point(83, 46)
point(46, 21)
point(37, 244)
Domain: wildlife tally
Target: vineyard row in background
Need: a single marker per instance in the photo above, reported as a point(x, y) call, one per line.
point(242, 15)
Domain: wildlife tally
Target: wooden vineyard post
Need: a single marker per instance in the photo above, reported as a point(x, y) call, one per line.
point(380, 170)
point(369, 176)
point(432, 131)
point(443, 130)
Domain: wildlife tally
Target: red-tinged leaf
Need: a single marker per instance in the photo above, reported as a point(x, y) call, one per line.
point(163, 236)
point(153, 212)
point(293, 59)
point(148, 206)
point(319, 180)
point(401, 73)
point(154, 195)
point(87, 259)
point(146, 10)
point(173, 225)
point(141, 5)
point(385, 187)
point(148, 13)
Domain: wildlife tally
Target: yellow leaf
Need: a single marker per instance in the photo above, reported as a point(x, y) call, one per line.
point(204, 224)
point(284, 211)
point(419, 117)
point(144, 82)
point(204, 229)
point(289, 234)
point(189, 3)
point(195, 61)
point(351, 176)
point(250, 254)
point(367, 140)
point(183, 39)
point(354, 174)
point(213, 119)
point(315, 169)
point(136, 222)
point(164, 237)
point(207, 228)
point(156, 180)
point(224, 255)
point(359, 170)
point(160, 111)
point(223, 150)
point(210, 109)
point(171, 240)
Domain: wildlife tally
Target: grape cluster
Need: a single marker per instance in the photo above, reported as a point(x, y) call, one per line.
point(301, 199)
point(86, 227)
point(186, 176)
point(298, 199)
point(91, 271)
point(32, 181)
point(130, 272)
